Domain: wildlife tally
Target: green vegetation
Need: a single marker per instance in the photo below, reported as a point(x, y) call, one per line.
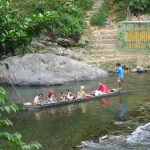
point(139, 6)
point(8, 140)
point(118, 10)
point(109, 66)
point(23, 20)
point(100, 17)
point(136, 7)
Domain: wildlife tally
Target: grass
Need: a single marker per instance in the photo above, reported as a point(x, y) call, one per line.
point(135, 51)
point(100, 17)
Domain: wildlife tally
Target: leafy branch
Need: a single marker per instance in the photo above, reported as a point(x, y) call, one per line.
point(12, 140)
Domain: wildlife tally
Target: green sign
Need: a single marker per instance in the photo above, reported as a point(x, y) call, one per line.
point(134, 35)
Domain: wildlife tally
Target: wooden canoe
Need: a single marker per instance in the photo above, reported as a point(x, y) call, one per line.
point(28, 106)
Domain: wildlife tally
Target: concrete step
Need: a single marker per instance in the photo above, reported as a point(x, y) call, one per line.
point(88, 16)
point(90, 12)
point(103, 41)
point(100, 31)
point(101, 56)
point(95, 7)
point(105, 58)
point(104, 46)
point(101, 52)
point(104, 36)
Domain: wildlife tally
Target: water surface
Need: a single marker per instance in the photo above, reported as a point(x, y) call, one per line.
point(62, 127)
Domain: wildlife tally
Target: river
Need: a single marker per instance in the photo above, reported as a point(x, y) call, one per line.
point(63, 127)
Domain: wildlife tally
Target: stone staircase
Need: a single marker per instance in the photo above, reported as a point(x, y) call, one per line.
point(103, 46)
point(102, 41)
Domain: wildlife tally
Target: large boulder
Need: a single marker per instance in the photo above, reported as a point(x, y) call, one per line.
point(140, 69)
point(45, 69)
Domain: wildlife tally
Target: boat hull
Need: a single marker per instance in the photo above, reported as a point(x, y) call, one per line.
point(47, 105)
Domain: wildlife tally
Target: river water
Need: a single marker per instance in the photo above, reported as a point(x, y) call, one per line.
point(63, 127)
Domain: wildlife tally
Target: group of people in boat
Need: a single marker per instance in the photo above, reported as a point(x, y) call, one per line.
point(82, 94)
point(68, 95)
point(52, 99)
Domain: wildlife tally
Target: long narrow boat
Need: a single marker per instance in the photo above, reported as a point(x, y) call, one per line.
point(29, 106)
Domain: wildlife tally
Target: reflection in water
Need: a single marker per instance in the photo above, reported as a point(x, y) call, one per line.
point(121, 107)
point(104, 102)
point(84, 105)
point(42, 113)
point(38, 114)
point(70, 108)
point(53, 112)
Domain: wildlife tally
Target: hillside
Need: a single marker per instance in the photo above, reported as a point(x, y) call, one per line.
point(22, 21)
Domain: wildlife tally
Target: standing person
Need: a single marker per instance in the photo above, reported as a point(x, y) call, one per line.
point(119, 72)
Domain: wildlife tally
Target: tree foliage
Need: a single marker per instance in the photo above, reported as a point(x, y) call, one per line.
point(21, 20)
point(119, 8)
point(139, 5)
point(11, 140)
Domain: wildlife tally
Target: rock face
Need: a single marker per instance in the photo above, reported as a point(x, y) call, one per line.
point(45, 69)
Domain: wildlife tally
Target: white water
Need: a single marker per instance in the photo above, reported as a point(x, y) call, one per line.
point(138, 140)
point(141, 135)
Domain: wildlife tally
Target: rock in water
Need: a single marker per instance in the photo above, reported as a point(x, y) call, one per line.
point(140, 69)
point(45, 69)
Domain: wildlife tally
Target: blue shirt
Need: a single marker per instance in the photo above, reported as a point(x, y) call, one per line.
point(120, 72)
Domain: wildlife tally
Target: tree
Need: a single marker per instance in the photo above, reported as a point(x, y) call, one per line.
point(138, 5)
point(11, 140)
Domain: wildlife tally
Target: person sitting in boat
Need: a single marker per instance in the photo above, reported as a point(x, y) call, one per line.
point(61, 96)
point(102, 89)
point(50, 97)
point(82, 93)
point(70, 95)
point(37, 99)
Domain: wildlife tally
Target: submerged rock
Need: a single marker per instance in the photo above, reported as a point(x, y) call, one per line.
point(129, 122)
point(46, 69)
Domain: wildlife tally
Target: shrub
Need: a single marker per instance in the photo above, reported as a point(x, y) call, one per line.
point(84, 4)
point(138, 6)
point(100, 17)
point(9, 140)
point(120, 9)
point(21, 20)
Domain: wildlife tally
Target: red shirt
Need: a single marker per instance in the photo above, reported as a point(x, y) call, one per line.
point(103, 88)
